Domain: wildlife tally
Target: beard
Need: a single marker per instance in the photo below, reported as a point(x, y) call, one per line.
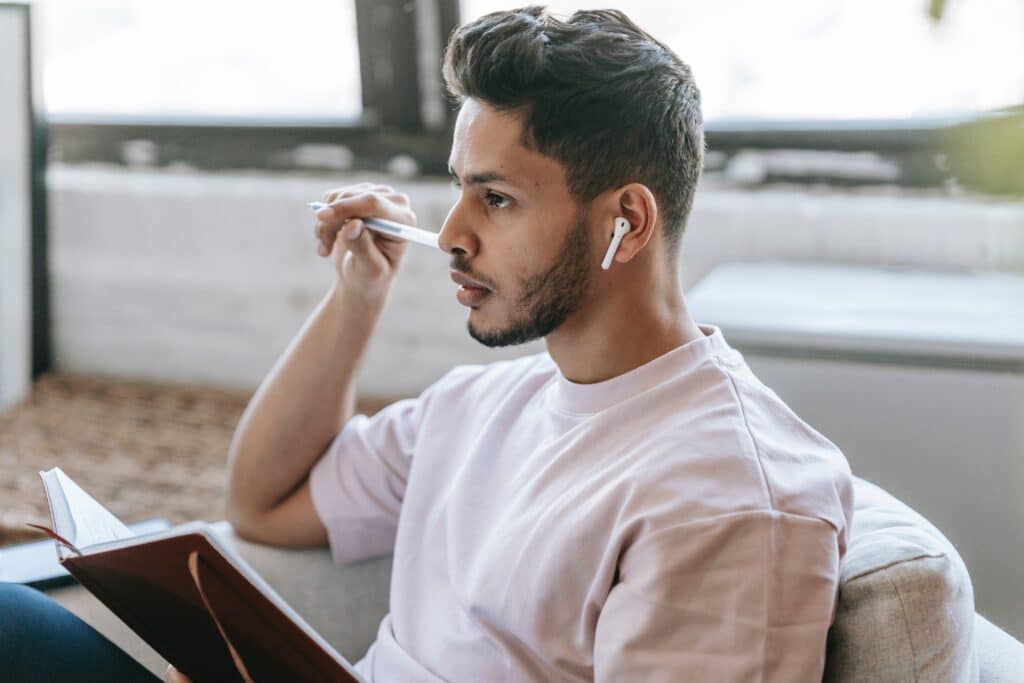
point(548, 298)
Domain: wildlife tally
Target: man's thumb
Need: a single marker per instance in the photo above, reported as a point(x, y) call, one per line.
point(365, 248)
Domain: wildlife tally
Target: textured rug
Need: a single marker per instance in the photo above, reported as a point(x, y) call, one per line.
point(142, 449)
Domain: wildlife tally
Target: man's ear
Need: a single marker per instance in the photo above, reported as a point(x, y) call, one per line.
point(636, 203)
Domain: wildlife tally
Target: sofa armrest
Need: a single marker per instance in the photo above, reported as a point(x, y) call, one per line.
point(1000, 655)
point(344, 603)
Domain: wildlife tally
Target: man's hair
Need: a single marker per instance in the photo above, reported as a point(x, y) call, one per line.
point(598, 94)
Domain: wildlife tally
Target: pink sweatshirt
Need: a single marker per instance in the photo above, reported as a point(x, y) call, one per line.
point(677, 522)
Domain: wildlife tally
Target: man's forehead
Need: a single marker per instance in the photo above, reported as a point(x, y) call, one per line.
point(489, 142)
point(491, 165)
point(477, 119)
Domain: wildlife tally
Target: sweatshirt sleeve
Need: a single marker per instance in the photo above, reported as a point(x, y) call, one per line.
point(359, 482)
point(746, 596)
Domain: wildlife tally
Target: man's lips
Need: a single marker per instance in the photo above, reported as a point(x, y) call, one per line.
point(471, 292)
point(466, 281)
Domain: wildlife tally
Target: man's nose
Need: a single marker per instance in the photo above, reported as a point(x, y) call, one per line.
point(457, 233)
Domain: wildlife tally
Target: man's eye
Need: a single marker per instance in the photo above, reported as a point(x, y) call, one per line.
point(496, 200)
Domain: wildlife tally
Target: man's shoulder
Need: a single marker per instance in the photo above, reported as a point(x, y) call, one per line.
point(724, 443)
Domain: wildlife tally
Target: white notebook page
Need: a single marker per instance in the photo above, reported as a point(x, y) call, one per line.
point(77, 515)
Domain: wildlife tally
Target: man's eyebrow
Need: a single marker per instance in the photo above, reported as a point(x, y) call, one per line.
point(479, 178)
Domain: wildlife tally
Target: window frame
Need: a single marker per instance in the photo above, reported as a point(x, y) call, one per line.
point(39, 285)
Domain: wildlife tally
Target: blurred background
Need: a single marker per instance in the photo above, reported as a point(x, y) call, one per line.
point(858, 234)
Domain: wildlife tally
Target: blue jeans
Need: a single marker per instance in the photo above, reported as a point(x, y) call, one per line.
point(42, 641)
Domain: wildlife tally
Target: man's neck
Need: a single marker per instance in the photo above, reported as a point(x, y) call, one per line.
point(626, 331)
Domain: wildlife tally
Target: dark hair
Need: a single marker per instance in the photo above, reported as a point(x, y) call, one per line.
point(599, 95)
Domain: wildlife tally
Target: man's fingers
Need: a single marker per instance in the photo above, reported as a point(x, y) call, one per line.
point(327, 235)
point(401, 198)
point(349, 190)
point(355, 206)
point(332, 217)
point(337, 220)
point(325, 230)
point(365, 246)
point(352, 190)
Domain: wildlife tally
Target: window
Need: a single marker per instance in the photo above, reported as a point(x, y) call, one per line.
point(834, 59)
point(296, 59)
point(356, 83)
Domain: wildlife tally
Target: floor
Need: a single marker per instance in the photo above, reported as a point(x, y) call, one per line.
point(142, 449)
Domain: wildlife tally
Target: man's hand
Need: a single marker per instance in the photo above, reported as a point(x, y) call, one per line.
point(366, 261)
point(175, 676)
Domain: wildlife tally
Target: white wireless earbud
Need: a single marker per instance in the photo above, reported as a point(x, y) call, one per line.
point(621, 228)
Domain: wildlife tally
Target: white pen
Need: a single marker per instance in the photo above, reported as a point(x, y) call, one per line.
point(386, 227)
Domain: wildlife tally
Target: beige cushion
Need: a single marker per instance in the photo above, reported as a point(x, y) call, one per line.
point(906, 606)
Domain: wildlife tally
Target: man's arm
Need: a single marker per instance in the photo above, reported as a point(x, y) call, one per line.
point(309, 394)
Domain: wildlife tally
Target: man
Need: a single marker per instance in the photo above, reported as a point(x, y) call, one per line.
point(632, 504)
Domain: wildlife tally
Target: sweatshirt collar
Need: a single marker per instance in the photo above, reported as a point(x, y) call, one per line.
point(586, 399)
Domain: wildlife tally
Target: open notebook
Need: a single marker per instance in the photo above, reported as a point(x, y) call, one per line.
point(187, 594)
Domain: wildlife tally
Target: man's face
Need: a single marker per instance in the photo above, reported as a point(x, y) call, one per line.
point(514, 229)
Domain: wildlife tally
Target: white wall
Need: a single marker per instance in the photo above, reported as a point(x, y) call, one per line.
point(202, 277)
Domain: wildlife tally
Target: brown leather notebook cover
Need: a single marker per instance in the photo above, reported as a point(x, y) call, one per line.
point(208, 619)
point(190, 597)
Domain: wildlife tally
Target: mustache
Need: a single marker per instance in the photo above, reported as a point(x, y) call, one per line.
point(461, 264)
